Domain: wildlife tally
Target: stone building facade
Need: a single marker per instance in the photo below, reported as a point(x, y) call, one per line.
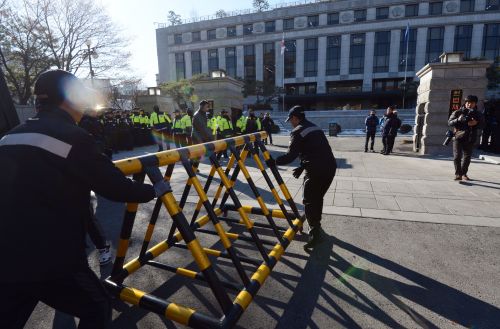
point(337, 52)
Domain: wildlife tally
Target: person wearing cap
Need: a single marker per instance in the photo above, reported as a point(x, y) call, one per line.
point(309, 144)
point(187, 124)
point(159, 122)
point(465, 121)
point(178, 129)
point(49, 167)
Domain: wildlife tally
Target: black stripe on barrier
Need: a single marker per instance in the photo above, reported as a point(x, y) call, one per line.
point(257, 224)
point(223, 254)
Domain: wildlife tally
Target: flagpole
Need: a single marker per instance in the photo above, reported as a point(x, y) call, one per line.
point(406, 62)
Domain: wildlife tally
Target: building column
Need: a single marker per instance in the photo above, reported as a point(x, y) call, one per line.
point(259, 59)
point(477, 40)
point(221, 52)
point(345, 49)
point(299, 58)
point(240, 72)
point(204, 61)
point(421, 48)
point(172, 69)
point(321, 86)
point(278, 64)
point(188, 64)
point(423, 8)
point(394, 59)
point(480, 5)
point(369, 51)
point(449, 38)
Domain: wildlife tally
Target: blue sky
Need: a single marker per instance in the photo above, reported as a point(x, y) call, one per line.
point(137, 19)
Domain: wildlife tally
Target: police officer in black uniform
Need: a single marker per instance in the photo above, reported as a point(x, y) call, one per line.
point(308, 142)
point(49, 167)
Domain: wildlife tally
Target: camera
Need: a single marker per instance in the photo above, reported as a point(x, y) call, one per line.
point(449, 137)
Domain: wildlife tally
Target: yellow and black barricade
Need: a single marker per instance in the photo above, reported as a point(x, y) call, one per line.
point(183, 234)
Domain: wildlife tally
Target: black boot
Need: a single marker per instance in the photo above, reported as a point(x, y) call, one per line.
point(315, 238)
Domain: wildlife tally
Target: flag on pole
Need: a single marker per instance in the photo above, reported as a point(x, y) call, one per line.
point(407, 32)
point(283, 48)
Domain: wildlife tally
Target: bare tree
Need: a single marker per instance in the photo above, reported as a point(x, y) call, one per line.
point(124, 94)
point(261, 5)
point(69, 24)
point(221, 13)
point(173, 18)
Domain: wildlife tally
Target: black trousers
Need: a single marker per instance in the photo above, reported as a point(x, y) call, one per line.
point(315, 187)
point(390, 143)
point(462, 153)
point(270, 136)
point(370, 135)
point(80, 294)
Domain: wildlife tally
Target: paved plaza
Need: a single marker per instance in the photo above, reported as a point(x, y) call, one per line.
point(407, 247)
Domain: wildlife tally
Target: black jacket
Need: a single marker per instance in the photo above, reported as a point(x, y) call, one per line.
point(309, 143)
point(391, 125)
point(200, 133)
point(49, 167)
point(371, 123)
point(470, 133)
point(267, 124)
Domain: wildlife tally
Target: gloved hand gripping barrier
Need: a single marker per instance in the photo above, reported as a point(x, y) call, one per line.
point(184, 235)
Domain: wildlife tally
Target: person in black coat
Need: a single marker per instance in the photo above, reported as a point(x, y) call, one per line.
point(391, 131)
point(309, 143)
point(465, 122)
point(200, 132)
point(267, 124)
point(371, 123)
point(49, 167)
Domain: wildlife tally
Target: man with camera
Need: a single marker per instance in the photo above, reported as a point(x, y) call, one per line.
point(465, 123)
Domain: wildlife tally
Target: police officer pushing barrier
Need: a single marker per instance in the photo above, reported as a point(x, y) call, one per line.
point(49, 167)
point(309, 143)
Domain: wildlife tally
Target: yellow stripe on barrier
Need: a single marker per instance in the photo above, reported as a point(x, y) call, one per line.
point(132, 207)
point(131, 295)
point(158, 249)
point(178, 313)
point(261, 274)
point(149, 232)
point(277, 252)
point(199, 189)
point(122, 248)
point(222, 234)
point(263, 206)
point(243, 299)
point(171, 204)
point(132, 266)
point(199, 255)
point(285, 191)
point(186, 272)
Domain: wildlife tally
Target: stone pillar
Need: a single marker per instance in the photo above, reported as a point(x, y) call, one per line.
point(204, 61)
point(344, 54)
point(449, 38)
point(239, 62)
point(299, 58)
point(437, 80)
point(222, 58)
point(368, 71)
point(421, 47)
point(188, 64)
point(394, 54)
point(477, 40)
point(321, 86)
point(259, 62)
point(278, 62)
point(172, 70)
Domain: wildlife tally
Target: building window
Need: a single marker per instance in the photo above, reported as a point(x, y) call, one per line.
point(247, 29)
point(231, 31)
point(333, 87)
point(178, 39)
point(196, 62)
point(269, 67)
point(436, 8)
point(288, 24)
point(196, 36)
point(492, 5)
point(383, 13)
point(467, 6)
point(213, 60)
point(310, 57)
point(360, 15)
point(463, 38)
point(381, 52)
point(435, 36)
point(387, 84)
point(313, 21)
point(249, 62)
point(333, 55)
point(491, 41)
point(412, 49)
point(290, 54)
point(357, 53)
point(333, 19)
point(180, 67)
point(231, 61)
point(411, 10)
point(270, 26)
point(300, 89)
point(211, 35)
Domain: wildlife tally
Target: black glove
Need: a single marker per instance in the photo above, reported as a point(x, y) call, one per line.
point(297, 172)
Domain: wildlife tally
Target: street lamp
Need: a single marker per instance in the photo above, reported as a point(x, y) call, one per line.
point(90, 52)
